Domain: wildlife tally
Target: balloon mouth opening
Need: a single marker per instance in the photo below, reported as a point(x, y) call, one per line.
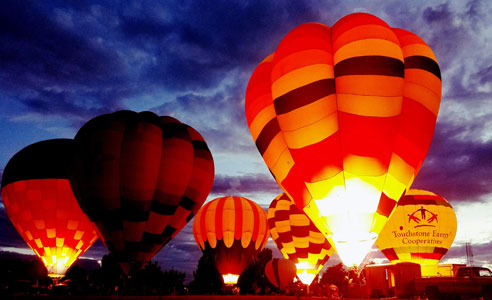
point(230, 279)
point(306, 278)
point(352, 248)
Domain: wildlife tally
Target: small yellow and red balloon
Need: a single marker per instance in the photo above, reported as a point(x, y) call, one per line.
point(421, 230)
point(297, 238)
point(234, 230)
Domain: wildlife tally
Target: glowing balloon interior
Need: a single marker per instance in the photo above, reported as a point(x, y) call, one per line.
point(40, 203)
point(234, 230)
point(343, 118)
point(421, 230)
point(297, 238)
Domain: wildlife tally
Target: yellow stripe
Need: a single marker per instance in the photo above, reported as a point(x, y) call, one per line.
point(299, 220)
point(322, 188)
point(274, 150)
point(283, 166)
point(371, 106)
point(301, 59)
point(364, 166)
point(313, 133)
point(368, 47)
point(372, 31)
point(301, 77)
point(377, 85)
point(263, 228)
point(308, 114)
point(425, 79)
point(418, 50)
point(423, 96)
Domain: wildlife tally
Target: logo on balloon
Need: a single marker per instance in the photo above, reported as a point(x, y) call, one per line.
point(423, 218)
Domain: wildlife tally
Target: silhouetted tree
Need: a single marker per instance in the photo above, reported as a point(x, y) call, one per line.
point(335, 275)
point(78, 279)
point(207, 279)
point(253, 279)
point(108, 277)
point(173, 282)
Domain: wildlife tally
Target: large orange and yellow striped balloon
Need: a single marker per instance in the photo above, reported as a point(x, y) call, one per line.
point(343, 117)
point(297, 238)
point(421, 230)
point(234, 230)
point(42, 207)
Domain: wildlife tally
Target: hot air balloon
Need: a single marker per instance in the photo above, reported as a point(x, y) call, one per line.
point(140, 178)
point(297, 238)
point(40, 203)
point(235, 230)
point(421, 229)
point(343, 118)
point(280, 272)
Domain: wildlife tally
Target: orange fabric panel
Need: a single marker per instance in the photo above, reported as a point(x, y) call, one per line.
point(62, 236)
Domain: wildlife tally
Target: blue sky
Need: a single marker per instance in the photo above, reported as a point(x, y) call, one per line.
point(64, 62)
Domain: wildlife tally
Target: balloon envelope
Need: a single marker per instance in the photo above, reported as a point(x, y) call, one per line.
point(140, 178)
point(343, 118)
point(234, 229)
point(297, 238)
point(421, 230)
point(40, 203)
point(280, 272)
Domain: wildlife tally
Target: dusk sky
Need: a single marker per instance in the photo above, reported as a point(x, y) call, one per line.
point(65, 62)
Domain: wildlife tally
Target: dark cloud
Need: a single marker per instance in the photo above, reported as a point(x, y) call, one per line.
point(458, 168)
point(481, 253)
point(258, 183)
point(196, 52)
point(35, 51)
point(9, 236)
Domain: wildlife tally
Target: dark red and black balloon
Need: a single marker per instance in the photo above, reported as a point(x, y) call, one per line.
point(140, 178)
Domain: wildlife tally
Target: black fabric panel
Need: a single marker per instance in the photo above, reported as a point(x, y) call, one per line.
point(304, 95)
point(370, 65)
point(42, 160)
point(267, 134)
point(423, 63)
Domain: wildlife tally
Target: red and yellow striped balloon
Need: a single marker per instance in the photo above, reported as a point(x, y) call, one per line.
point(297, 238)
point(40, 203)
point(234, 229)
point(421, 230)
point(343, 118)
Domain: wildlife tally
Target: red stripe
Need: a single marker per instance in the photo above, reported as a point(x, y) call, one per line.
point(203, 226)
point(256, 227)
point(238, 210)
point(435, 256)
point(218, 217)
